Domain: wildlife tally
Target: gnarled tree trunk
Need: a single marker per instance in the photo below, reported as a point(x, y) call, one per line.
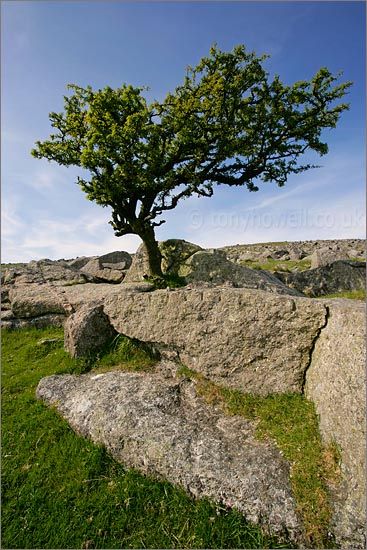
point(154, 254)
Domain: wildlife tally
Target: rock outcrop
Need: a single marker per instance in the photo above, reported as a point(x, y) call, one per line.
point(327, 255)
point(212, 266)
point(297, 250)
point(46, 271)
point(161, 427)
point(33, 305)
point(110, 268)
point(204, 266)
point(247, 339)
point(336, 383)
point(87, 331)
point(336, 277)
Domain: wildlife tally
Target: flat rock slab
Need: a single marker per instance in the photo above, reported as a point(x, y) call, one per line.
point(250, 340)
point(33, 300)
point(163, 428)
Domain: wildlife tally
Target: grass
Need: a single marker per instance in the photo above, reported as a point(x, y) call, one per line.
point(279, 265)
point(12, 266)
point(290, 420)
point(170, 280)
point(350, 294)
point(61, 491)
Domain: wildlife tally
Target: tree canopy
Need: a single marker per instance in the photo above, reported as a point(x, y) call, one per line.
point(227, 123)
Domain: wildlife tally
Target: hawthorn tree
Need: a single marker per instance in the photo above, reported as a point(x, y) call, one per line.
point(228, 123)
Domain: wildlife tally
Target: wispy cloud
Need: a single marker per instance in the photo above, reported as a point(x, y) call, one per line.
point(65, 238)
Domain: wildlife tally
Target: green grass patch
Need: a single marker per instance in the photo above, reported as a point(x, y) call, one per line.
point(61, 491)
point(350, 294)
point(12, 265)
point(170, 280)
point(291, 420)
point(279, 265)
point(125, 354)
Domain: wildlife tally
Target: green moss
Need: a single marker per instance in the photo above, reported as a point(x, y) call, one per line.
point(279, 265)
point(291, 421)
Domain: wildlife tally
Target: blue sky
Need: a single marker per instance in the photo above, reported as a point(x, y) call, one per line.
point(46, 45)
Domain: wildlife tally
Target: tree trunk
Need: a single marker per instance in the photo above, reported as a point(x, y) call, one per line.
point(154, 254)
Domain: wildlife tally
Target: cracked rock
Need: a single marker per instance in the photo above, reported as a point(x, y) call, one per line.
point(250, 340)
point(162, 428)
point(336, 383)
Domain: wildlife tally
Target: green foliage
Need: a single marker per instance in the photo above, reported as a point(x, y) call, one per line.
point(228, 123)
point(12, 265)
point(168, 280)
point(126, 353)
point(291, 421)
point(61, 491)
point(279, 265)
point(350, 294)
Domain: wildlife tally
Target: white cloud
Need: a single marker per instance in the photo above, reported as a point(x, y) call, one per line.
point(65, 238)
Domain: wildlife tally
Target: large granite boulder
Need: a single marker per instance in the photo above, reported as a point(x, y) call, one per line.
point(336, 277)
point(212, 266)
point(163, 428)
point(247, 339)
point(197, 266)
point(327, 255)
point(336, 383)
point(88, 330)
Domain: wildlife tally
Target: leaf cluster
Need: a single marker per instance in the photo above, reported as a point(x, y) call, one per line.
point(227, 123)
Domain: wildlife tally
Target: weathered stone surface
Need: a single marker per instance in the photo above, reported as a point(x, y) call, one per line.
point(174, 253)
point(102, 273)
point(110, 267)
point(336, 382)
point(80, 261)
point(337, 277)
point(118, 257)
point(4, 294)
point(34, 300)
point(196, 266)
point(212, 266)
point(327, 255)
point(50, 319)
point(261, 251)
point(42, 272)
point(87, 331)
point(355, 254)
point(6, 314)
point(162, 428)
point(247, 339)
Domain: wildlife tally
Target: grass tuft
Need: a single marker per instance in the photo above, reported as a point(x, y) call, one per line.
point(350, 294)
point(169, 280)
point(279, 265)
point(61, 491)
